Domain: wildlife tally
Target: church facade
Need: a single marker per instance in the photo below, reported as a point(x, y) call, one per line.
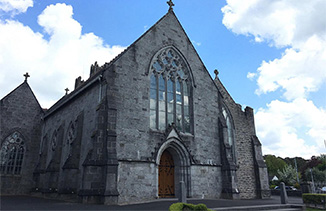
point(139, 128)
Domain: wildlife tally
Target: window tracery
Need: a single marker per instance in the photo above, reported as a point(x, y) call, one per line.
point(169, 91)
point(12, 154)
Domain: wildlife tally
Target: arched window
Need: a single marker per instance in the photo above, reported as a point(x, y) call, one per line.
point(54, 141)
point(12, 154)
point(71, 136)
point(230, 130)
point(169, 91)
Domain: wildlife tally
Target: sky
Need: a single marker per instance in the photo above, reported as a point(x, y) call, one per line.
point(271, 54)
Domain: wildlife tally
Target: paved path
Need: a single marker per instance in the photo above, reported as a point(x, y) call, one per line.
point(34, 203)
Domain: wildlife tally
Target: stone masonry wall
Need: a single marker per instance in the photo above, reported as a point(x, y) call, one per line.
point(86, 104)
point(206, 180)
point(137, 181)
point(20, 111)
point(135, 141)
point(244, 130)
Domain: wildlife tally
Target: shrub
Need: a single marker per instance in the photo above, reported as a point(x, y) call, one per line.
point(314, 200)
point(272, 187)
point(176, 207)
point(184, 206)
point(297, 186)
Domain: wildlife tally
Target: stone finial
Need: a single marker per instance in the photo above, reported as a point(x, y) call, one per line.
point(78, 82)
point(26, 76)
point(94, 68)
point(67, 90)
point(170, 3)
point(216, 73)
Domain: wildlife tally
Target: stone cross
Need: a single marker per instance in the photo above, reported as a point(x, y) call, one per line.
point(170, 3)
point(67, 90)
point(216, 73)
point(26, 76)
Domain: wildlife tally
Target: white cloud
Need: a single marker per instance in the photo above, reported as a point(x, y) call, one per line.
point(299, 27)
point(282, 125)
point(54, 63)
point(298, 72)
point(283, 22)
point(15, 6)
point(196, 43)
point(251, 76)
point(296, 24)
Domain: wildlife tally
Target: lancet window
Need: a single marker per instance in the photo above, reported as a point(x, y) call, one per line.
point(170, 91)
point(71, 136)
point(230, 129)
point(12, 154)
point(54, 141)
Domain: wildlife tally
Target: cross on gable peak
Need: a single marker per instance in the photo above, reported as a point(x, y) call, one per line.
point(26, 75)
point(170, 3)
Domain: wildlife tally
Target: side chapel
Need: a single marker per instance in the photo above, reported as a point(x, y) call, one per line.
point(139, 125)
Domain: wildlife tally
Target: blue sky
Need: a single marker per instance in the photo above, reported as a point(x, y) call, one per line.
point(271, 54)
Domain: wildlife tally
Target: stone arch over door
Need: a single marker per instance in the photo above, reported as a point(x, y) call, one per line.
point(181, 161)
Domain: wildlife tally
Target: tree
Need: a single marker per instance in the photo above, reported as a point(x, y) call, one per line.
point(318, 170)
point(311, 164)
point(288, 175)
point(274, 164)
point(299, 160)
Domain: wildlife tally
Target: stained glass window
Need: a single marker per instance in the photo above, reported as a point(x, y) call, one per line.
point(12, 154)
point(169, 91)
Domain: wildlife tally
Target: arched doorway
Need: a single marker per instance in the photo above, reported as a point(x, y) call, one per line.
point(166, 176)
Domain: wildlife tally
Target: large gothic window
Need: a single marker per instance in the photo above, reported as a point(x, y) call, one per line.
point(12, 154)
point(169, 91)
point(230, 130)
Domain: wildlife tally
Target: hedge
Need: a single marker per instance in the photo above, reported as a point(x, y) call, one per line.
point(183, 206)
point(314, 200)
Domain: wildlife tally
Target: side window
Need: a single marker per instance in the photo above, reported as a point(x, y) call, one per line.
point(169, 91)
point(12, 154)
point(71, 136)
point(230, 129)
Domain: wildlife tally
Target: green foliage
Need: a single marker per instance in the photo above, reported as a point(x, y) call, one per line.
point(274, 164)
point(318, 166)
point(322, 166)
point(287, 175)
point(297, 186)
point(176, 207)
point(311, 209)
point(272, 187)
point(184, 206)
point(315, 199)
point(291, 161)
point(200, 207)
point(319, 176)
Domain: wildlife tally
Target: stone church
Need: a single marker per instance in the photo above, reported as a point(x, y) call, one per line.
point(140, 127)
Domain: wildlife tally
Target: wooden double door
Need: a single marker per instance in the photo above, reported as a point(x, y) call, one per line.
point(166, 176)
